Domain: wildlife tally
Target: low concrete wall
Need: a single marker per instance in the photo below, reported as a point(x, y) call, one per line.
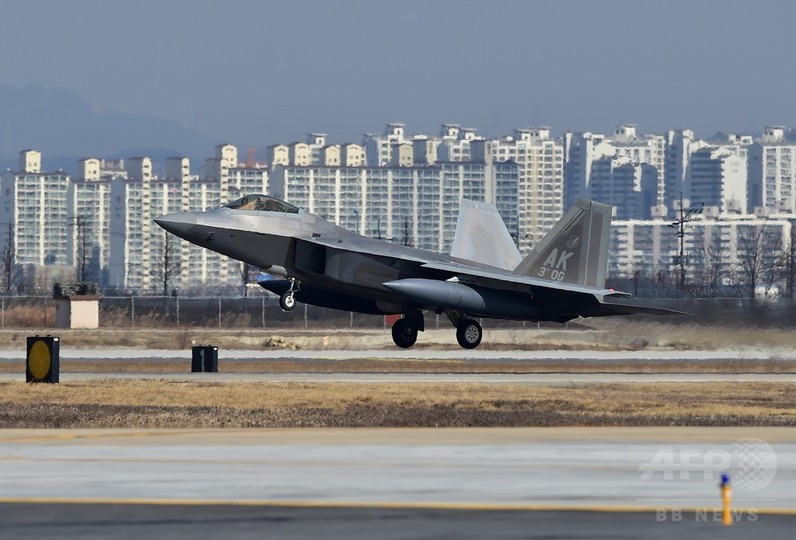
point(77, 312)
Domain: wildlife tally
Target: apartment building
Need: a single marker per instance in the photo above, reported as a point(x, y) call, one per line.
point(415, 205)
point(630, 186)
point(540, 166)
point(716, 246)
point(772, 171)
point(718, 178)
point(378, 148)
point(585, 150)
point(35, 203)
point(89, 208)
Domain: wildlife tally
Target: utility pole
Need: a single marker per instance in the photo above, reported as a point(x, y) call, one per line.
point(81, 252)
point(685, 215)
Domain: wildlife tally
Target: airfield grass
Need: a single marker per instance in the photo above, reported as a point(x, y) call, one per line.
point(380, 365)
point(167, 404)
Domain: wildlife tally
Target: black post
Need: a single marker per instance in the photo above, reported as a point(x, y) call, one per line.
point(204, 359)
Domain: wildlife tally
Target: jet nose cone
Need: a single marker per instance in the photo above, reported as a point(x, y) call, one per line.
point(179, 223)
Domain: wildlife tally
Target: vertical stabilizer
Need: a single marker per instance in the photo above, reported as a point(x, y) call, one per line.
point(482, 237)
point(575, 250)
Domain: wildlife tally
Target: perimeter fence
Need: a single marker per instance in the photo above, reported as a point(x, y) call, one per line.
point(264, 312)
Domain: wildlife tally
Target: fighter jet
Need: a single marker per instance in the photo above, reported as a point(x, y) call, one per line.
point(314, 261)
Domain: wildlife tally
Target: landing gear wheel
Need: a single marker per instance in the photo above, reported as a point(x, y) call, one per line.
point(403, 334)
point(287, 301)
point(469, 333)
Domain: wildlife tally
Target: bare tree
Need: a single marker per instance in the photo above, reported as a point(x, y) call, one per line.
point(406, 232)
point(83, 251)
point(170, 265)
point(759, 258)
point(789, 262)
point(9, 256)
point(713, 267)
point(245, 277)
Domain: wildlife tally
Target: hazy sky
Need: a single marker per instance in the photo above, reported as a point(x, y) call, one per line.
point(255, 72)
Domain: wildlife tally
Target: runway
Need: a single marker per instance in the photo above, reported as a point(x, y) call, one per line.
point(390, 483)
point(772, 354)
point(566, 467)
point(319, 366)
point(395, 483)
point(133, 522)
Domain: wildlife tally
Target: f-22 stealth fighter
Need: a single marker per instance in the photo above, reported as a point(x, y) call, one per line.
point(316, 262)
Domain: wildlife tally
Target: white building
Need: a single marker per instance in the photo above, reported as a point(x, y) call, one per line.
point(378, 148)
point(647, 148)
point(454, 143)
point(718, 178)
point(715, 246)
point(218, 167)
point(414, 205)
point(680, 144)
point(772, 172)
point(631, 187)
point(316, 142)
point(581, 150)
point(89, 225)
point(540, 165)
point(35, 203)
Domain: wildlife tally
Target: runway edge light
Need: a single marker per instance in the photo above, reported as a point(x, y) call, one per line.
point(204, 358)
point(42, 361)
point(726, 499)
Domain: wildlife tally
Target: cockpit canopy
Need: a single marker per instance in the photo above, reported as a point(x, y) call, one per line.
point(262, 203)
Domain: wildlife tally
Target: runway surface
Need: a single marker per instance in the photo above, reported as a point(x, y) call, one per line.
point(525, 467)
point(735, 357)
point(229, 355)
point(395, 483)
point(399, 483)
point(133, 522)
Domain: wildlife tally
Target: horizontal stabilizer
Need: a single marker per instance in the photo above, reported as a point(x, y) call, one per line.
point(481, 236)
point(632, 309)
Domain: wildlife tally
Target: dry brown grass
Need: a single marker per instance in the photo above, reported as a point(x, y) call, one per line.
point(197, 404)
point(375, 365)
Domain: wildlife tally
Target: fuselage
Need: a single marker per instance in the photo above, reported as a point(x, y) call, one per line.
point(337, 267)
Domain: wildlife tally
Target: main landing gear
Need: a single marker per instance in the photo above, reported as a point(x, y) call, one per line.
point(288, 299)
point(469, 333)
point(404, 331)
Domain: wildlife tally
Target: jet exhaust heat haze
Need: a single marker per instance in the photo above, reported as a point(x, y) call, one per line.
point(316, 262)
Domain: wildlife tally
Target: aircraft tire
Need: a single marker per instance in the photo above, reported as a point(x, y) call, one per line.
point(403, 334)
point(287, 301)
point(469, 334)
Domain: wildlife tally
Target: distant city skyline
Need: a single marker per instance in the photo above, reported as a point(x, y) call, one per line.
point(257, 73)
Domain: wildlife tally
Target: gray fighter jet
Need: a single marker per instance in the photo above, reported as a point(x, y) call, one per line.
point(316, 262)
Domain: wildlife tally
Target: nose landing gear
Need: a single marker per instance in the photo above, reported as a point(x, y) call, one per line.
point(288, 299)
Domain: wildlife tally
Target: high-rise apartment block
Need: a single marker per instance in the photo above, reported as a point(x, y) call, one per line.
point(407, 189)
point(772, 172)
point(35, 203)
